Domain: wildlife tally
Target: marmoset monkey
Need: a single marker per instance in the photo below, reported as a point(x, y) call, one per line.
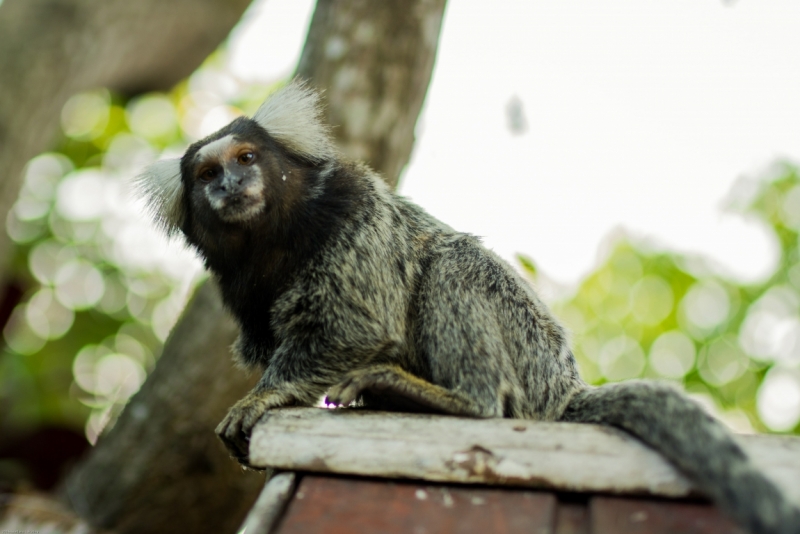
point(341, 286)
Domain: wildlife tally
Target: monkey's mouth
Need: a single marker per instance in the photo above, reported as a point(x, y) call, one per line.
point(240, 208)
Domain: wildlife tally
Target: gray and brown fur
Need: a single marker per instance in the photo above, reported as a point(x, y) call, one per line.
point(341, 286)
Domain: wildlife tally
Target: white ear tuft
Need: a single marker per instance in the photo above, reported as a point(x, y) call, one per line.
point(293, 116)
point(160, 186)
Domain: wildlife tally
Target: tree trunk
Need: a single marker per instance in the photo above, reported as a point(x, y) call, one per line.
point(161, 464)
point(51, 49)
point(374, 60)
point(161, 468)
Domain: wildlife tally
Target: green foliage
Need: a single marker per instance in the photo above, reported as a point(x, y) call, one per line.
point(80, 294)
point(664, 315)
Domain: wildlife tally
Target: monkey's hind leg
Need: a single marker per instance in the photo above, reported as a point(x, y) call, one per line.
point(391, 386)
point(696, 443)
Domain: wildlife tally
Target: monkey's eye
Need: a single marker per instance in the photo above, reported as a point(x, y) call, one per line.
point(206, 175)
point(246, 158)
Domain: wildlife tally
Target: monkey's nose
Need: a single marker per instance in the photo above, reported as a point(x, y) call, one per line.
point(232, 183)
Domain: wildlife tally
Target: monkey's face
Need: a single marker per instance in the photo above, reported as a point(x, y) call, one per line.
point(254, 173)
point(227, 176)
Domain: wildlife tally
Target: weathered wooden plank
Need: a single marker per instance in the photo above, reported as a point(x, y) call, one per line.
point(572, 518)
point(324, 505)
point(270, 504)
point(567, 457)
point(636, 516)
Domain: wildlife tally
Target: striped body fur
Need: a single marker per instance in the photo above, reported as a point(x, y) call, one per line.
point(341, 286)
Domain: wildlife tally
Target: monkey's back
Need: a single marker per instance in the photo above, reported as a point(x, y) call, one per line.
point(485, 332)
point(438, 304)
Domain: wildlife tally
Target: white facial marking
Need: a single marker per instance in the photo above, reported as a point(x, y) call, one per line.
point(256, 187)
point(216, 202)
point(284, 177)
point(215, 149)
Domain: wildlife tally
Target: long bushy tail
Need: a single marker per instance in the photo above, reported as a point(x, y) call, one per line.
point(697, 444)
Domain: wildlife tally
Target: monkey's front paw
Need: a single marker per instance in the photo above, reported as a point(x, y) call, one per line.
point(236, 427)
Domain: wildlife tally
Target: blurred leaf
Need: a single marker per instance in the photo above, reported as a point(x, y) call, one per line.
point(717, 337)
point(527, 265)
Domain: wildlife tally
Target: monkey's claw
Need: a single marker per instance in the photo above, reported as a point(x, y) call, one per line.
point(357, 382)
point(236, 427)
point(342, 394)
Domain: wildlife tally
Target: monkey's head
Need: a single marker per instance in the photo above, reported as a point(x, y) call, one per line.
point(243, 175)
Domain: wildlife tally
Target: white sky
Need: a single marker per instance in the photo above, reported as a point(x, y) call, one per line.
point(640, 114)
